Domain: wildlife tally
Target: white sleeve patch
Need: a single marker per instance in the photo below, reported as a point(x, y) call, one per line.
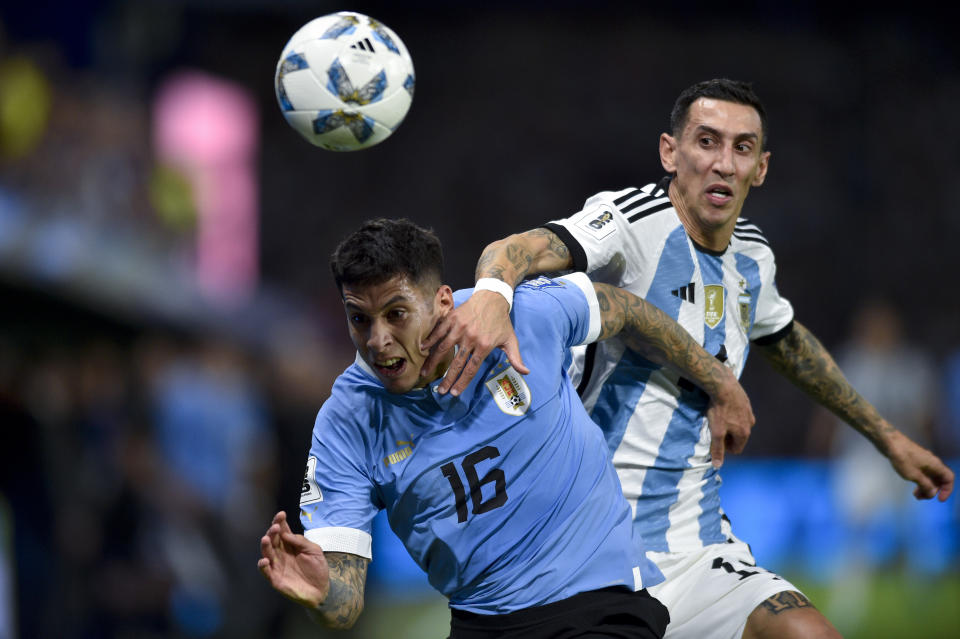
point(339, 539)
point(600, 223)
point(581, 281)
point(309, 490)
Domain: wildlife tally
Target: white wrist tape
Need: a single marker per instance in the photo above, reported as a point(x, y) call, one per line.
point(497, 286)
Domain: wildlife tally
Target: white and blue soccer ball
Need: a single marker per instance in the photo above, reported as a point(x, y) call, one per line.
point(344, 81)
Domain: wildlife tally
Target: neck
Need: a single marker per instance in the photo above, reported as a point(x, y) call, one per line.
point(439, 371)
point(712, 238)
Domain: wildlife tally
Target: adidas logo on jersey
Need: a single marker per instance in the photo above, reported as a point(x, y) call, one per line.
point(686, 293)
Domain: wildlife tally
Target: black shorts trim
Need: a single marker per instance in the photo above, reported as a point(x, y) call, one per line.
point(611, 612)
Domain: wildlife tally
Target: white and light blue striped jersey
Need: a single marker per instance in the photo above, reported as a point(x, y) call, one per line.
point(654, 420)
point(505, 496)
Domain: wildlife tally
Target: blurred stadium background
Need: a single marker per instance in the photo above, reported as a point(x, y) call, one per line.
point(169, 328)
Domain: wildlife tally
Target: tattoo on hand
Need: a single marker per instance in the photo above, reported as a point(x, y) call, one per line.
point(787, 600)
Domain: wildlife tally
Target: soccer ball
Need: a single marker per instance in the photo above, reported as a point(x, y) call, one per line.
point(344, 81)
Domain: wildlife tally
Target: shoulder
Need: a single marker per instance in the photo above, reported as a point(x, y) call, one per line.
point(352, 399)
point(633, 202)
point(545, 307)
point(749, 239)
point(542, 292)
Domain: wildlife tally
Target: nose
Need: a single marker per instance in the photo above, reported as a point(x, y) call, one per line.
point(379, 337)
point(723, 164)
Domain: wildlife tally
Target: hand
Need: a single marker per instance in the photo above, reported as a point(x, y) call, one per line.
point(477, 326)
point(293, 565)
point(917, 464)
point(730, 417)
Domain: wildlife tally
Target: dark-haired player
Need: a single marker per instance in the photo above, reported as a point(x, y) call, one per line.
point(504, 494)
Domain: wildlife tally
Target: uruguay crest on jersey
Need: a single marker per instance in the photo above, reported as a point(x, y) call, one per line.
point(510, 392)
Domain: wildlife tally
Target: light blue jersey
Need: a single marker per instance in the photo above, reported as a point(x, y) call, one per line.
point(654, 420)
point(505, 495)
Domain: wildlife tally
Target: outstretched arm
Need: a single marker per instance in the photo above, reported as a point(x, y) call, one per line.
point(646, 329)
point(329, 585)
point(802, 359)
point(482, 323)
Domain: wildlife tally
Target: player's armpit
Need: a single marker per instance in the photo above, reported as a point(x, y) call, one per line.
point(344, 602)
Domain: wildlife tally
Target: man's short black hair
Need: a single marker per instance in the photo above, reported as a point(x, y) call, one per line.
point(382, 249)
point(717, 89)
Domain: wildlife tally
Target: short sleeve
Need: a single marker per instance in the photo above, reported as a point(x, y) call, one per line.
point(599, 236)
point(338, 497)
point(774, 314)
point(565, 307)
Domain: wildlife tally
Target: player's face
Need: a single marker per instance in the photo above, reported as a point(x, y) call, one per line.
point(717, 158)
point(387, 324)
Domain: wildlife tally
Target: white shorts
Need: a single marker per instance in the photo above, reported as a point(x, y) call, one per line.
point(711, 591)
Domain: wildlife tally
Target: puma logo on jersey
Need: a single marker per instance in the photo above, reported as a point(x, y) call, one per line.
point(400, 455)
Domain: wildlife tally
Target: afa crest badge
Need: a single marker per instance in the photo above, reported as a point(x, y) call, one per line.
point(744, 301)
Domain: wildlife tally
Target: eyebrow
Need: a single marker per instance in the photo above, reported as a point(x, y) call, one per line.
point(400, 297)
point(740, 136)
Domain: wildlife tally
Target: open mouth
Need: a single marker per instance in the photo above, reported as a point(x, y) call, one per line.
point(390, 367)
point(719, 194)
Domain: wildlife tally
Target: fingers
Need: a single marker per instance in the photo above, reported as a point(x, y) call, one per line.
point(280, 519)
point(716, 451)
point(512, 349)
point(441, 339)
point(945, 490)
point(462, 377)
point(439, 332)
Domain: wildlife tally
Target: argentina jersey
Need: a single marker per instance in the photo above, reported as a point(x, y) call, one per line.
point(654, 421)
point(504, 495)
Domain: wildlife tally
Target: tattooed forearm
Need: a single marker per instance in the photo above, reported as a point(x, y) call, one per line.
point(344, 603)
point(802, 359)
point(513, 258)
point(787, 600)
point(649, 331)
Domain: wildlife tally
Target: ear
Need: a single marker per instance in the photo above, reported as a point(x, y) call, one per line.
point(668, 151)
point(443, 300)
point(762, 168)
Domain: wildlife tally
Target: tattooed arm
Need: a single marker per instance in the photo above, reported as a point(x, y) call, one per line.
point(482, 323)
point(801, 358)
point(329, 585)
point(513, 258)
point(646, 329)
